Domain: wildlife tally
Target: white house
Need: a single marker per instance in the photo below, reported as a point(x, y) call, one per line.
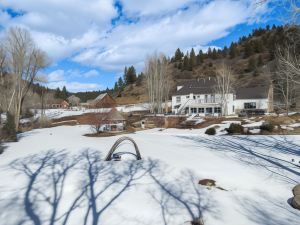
point(200, 97)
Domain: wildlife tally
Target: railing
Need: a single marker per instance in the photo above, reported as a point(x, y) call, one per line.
point(209, 100)
point(183, 106)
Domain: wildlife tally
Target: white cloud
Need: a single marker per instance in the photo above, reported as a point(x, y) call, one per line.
point(61, 27)
point(196, 26)
point(82, 31)
point(154, 6)
point(55, 76)
point(60, 78)
point(91, 73)
point(76, 86)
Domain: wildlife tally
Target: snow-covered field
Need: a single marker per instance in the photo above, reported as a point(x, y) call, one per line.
point(58, 176)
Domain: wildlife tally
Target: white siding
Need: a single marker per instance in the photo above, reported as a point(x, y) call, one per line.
point(260, 103)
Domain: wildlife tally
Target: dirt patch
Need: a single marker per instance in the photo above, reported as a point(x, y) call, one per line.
point(107, 134)
point(209, 183)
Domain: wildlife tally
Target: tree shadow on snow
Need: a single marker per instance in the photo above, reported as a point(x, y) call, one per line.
point(60, 188)
point(258, 151)
point(49, 177)
point(181, 196)
point(268, 211)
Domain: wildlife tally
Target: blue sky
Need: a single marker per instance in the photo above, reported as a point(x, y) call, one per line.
point(90, 42)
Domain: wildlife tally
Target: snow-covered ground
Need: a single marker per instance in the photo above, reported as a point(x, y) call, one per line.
point(58, 176)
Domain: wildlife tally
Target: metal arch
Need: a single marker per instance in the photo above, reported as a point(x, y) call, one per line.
point(117, 144)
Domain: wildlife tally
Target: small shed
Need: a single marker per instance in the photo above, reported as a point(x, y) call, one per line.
point(114, 120)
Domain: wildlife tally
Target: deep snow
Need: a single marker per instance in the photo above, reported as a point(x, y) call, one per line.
point(66, 168)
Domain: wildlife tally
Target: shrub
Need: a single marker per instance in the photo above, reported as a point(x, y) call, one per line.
point(27, 114)
point(9, 129)
point(43, 122)
point(235, 128)
point(210, 131)
point(267, 127)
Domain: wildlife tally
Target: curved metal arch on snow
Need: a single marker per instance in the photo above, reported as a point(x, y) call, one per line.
point(117, 144)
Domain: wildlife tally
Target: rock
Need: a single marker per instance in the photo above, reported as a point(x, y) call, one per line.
point(296, 190)
point(296, 202)
point(208, 182)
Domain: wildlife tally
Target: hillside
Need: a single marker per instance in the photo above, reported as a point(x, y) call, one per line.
point(251, 59)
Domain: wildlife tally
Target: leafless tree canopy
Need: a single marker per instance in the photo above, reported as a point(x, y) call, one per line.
point(287, 76)
point(224, 86)
point(158, 83)
point(20, 62)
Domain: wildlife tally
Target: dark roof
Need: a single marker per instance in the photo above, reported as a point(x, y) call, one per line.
point(200, 86)
point(258, 92)
point(114, 115)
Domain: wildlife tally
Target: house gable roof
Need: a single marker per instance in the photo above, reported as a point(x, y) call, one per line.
point(208, 86)
point(200, 86)
point(114, 115)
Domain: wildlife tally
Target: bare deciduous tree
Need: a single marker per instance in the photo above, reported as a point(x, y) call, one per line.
point(74, 100)
point(224, 86)
point(24, 60)
point(100, 120)
point(287, 76)
point(158, 83)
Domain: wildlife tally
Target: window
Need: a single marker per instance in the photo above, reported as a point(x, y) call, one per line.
point(205, 98)
point(212, 98)
point(200, 110)
point(194, 97)
point(178, 99)
point(187, 96)
point(193, 110)
point(209, 110)
point(217, 109)
point(250, 105)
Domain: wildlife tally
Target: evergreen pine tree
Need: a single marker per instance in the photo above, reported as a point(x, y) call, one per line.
point(178, 55)
point(9, 129)
point(193, 59)
point(116, 88)
point(64, 93)
point(225, 52)
point(57, 93)
point(130, 75)
point(200, 58)
point(214, 54)
point(185, 63)
point(209, 52)
point(249, 50)
point(232, 51)
point(139, 79)
point(120, 83)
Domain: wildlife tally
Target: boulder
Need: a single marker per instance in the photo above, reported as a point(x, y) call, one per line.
point(296, 190)
point(296, 202)
point(207, 182)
